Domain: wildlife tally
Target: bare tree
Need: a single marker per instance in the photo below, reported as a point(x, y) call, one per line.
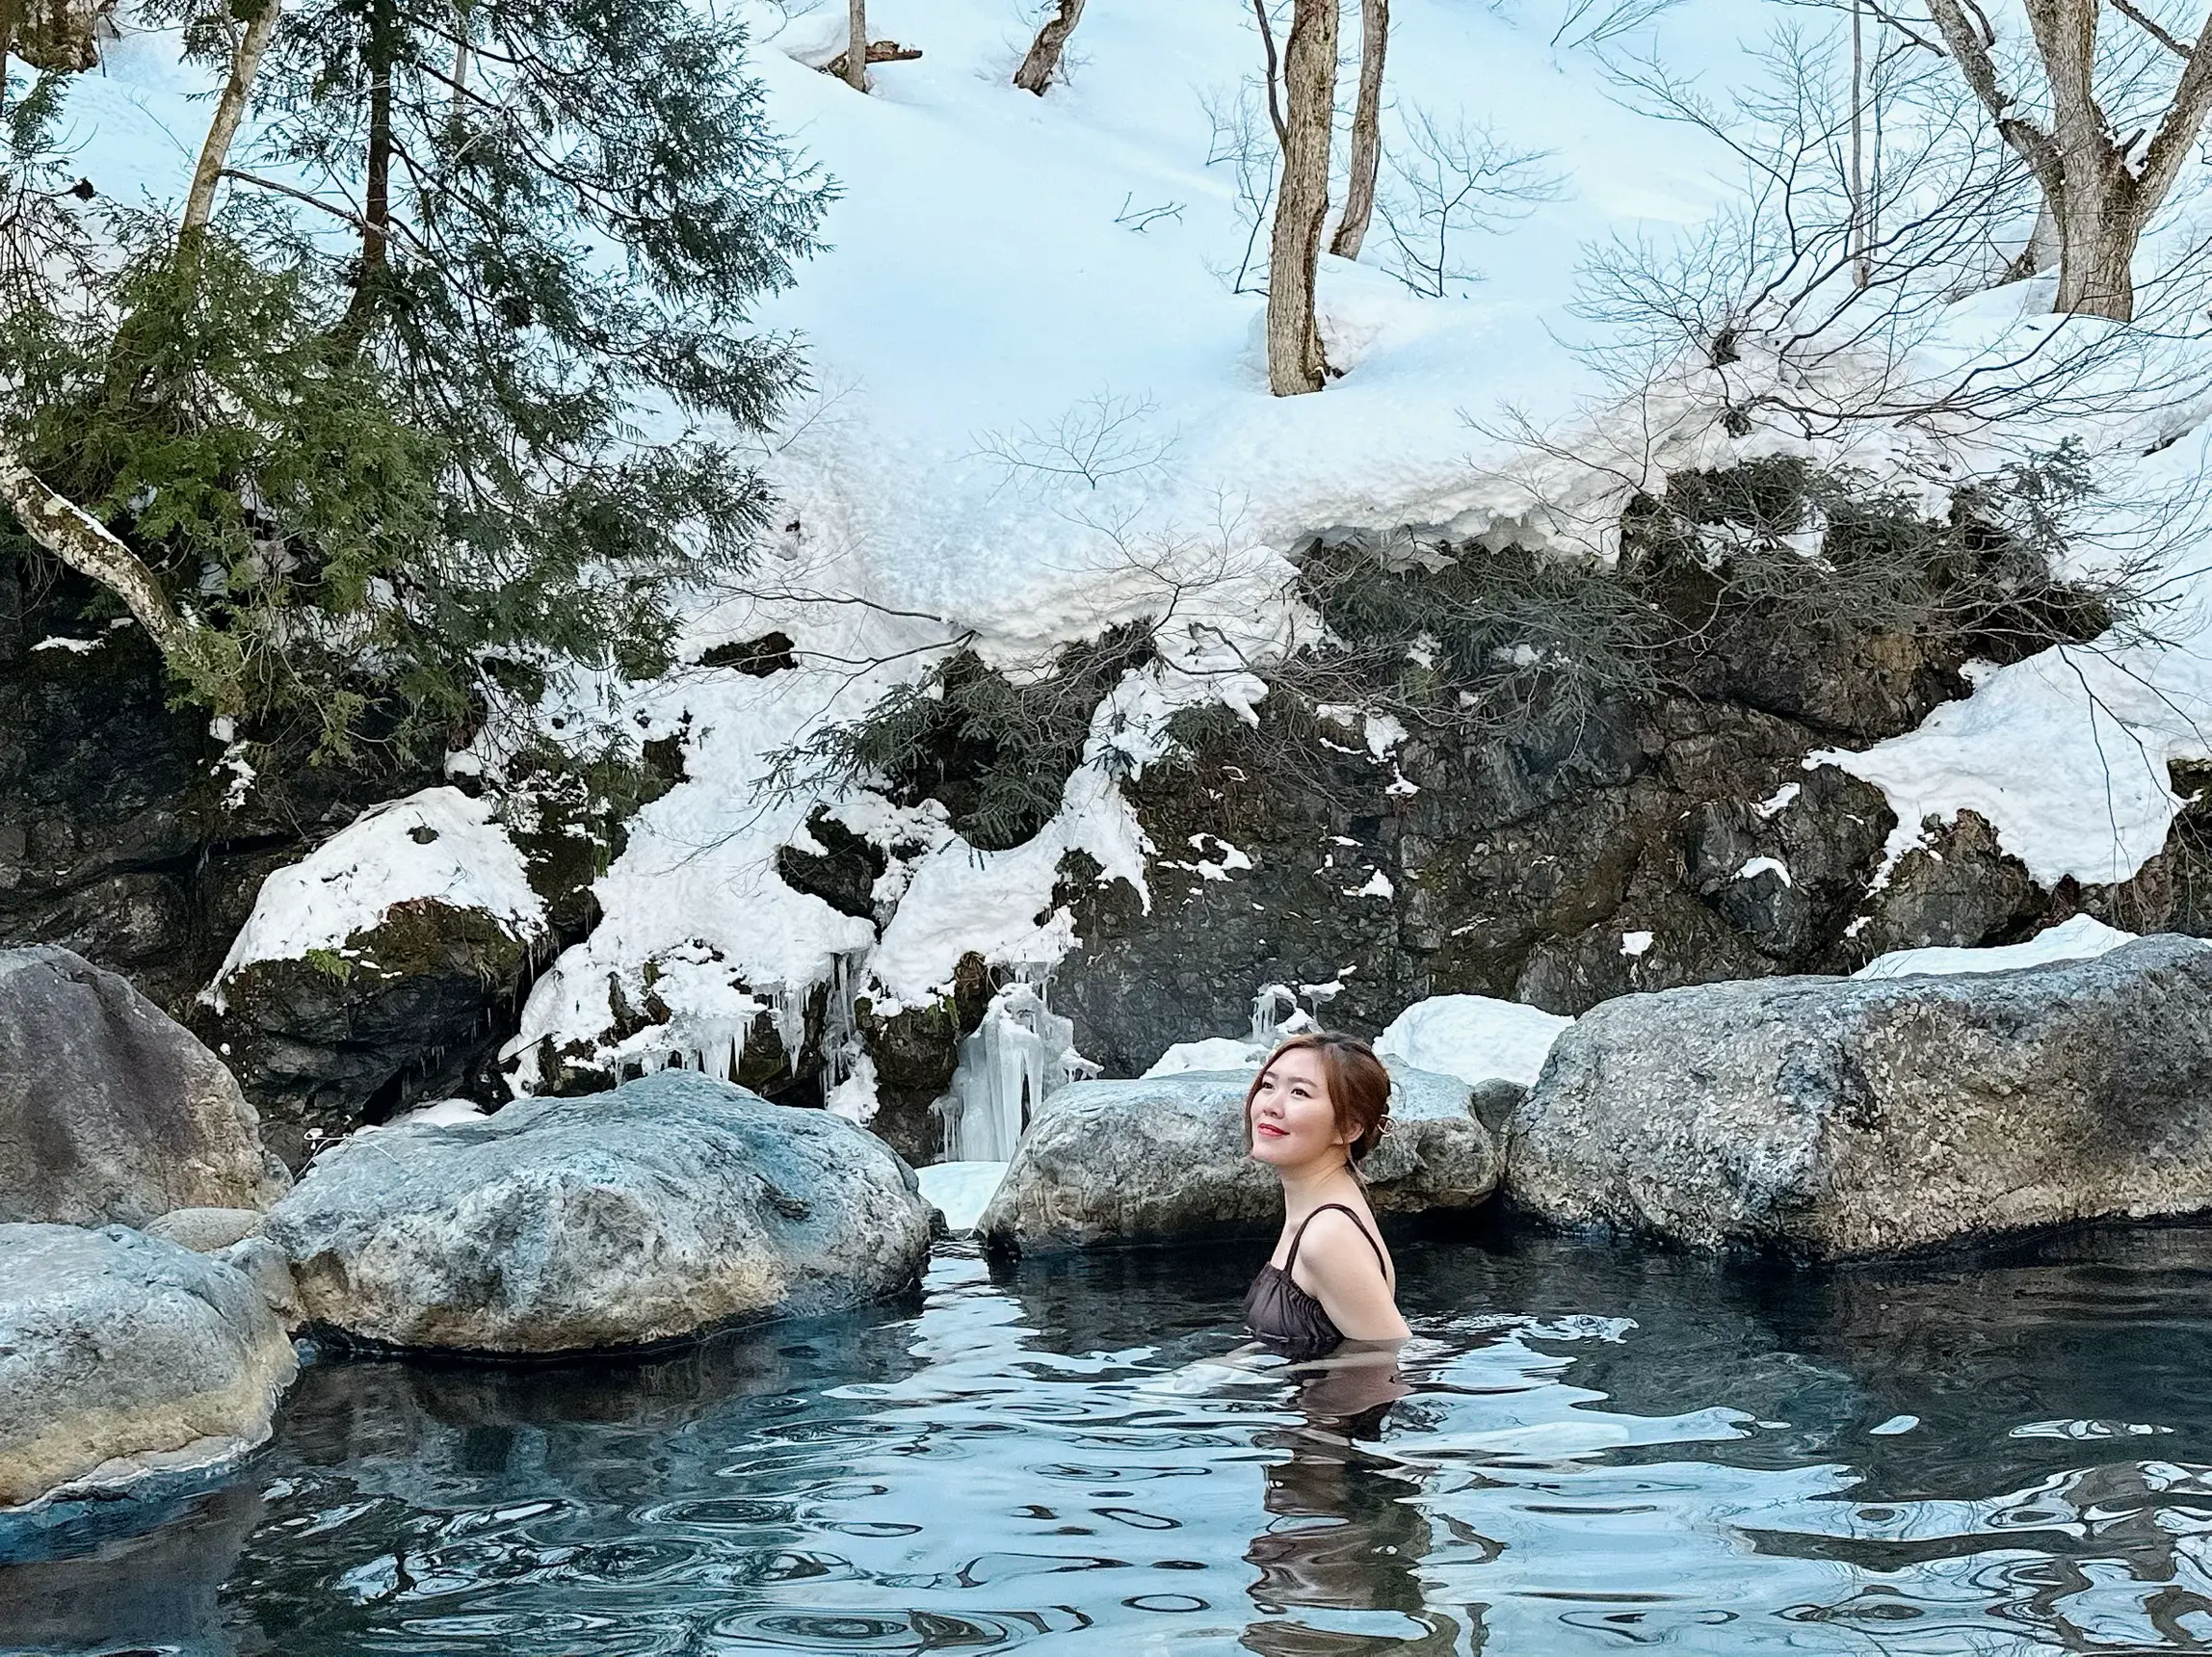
point(1366, 130)
point(1294, 358)
point(2101, 187)
point(1042, 61)
point(1253, 152)
point(856, 45)
point(1446, 181)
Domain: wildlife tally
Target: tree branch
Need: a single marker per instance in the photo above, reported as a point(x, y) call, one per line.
point(2151, 27)
point(88, 546)
point(1273, 74)
point(1968, 50)
point(2177, 134)
point(260, 183)
point(245, 63)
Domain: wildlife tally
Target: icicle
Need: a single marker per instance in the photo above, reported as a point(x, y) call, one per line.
point(842, 1048)
point(1271, 1008)
point(790, 1003)
point(1021, 1053)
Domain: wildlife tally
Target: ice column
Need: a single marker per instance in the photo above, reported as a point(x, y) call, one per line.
point(1021, 1052)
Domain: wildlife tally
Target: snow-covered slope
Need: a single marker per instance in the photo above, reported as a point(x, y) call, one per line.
point(1015, 283)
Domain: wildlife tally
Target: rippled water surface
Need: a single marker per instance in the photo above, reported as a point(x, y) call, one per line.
point(1599, 1451)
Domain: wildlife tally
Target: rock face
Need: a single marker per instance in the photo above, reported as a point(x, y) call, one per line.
point(656, 1211)
point(1830, 1118)
point(122, 1354)
point(110, 1110)
point(1163, 1159)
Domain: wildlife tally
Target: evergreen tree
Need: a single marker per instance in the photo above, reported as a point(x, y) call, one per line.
point(455, 370)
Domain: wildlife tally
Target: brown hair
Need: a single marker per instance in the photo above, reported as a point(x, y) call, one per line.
point(1358, 1086)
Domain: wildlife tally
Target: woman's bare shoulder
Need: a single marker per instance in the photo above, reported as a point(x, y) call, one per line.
point(1338, 1241)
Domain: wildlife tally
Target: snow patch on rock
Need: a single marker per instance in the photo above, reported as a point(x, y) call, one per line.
point(439, 845)
point(1474, 1037)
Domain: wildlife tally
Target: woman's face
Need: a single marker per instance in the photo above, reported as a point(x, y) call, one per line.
point(1293, 1121)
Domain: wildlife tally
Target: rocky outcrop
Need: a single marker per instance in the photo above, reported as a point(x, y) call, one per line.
point(122, 1355)
point(109, 1109)
point(362, 979)
point(332, 1041)
point(1830, 1118)
point(1163, 1159)
point(660, 1210)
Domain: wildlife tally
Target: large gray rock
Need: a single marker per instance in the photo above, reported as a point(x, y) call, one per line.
point(109, 1109)
point(659, 1210)
point(1831, 1117)
point(122, 1354)
point(1163, 1159)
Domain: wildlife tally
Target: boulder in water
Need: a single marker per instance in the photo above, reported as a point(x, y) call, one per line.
point(1163, 1159)
point(122, 1354)
point(110, 1110)
point(659, 1210)
point(1833, 1118)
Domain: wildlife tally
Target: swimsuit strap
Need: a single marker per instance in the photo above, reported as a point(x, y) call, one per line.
point(1298, 1236)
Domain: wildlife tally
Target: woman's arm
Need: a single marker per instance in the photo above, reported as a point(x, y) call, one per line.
point(1336, 1265)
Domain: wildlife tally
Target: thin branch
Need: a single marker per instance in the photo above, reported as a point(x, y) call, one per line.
point(1273, 74)
point(2151, 27)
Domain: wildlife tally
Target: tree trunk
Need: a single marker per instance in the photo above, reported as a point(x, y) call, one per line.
point(2097, 258)
point(1861, 232)
point(377, 195)
point(1043, 59)
point(1294, 359)
point(200, 201)
point(856, 45)
point(1366, 130)
point(2098, 199)
point(77, 539)
point(60, 37)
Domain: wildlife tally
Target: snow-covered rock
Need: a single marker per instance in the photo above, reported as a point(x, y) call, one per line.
point(1210, 1053)
point(1473, 1037)
point(110, 1110)
point(384, 946)
point(437, 847)
point(122, 1355)
point(663, 1209)
point(1163, 1159)
point(1831, 1117)
point(2083, 938)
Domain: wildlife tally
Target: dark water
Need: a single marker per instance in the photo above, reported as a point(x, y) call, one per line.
point(1601, 1452)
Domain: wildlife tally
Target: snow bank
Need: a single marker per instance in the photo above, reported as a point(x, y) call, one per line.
point(2066, 754)
point(1000, 902)
point(1473, 1037)
point(2081, 939)
point(961, 1190)
point(1212, 1053)
point(438, 844)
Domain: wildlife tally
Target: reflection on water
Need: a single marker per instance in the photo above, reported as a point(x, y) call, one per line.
point(1582, 1450)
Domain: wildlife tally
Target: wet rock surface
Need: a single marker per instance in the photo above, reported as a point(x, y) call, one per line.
point(1830, 1118)
point(109, 1109)
point(122, 1355)
point(660, 1210)
point(1163, 1159)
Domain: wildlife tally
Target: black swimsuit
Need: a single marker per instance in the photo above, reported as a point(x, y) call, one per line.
point(1284, 1315)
